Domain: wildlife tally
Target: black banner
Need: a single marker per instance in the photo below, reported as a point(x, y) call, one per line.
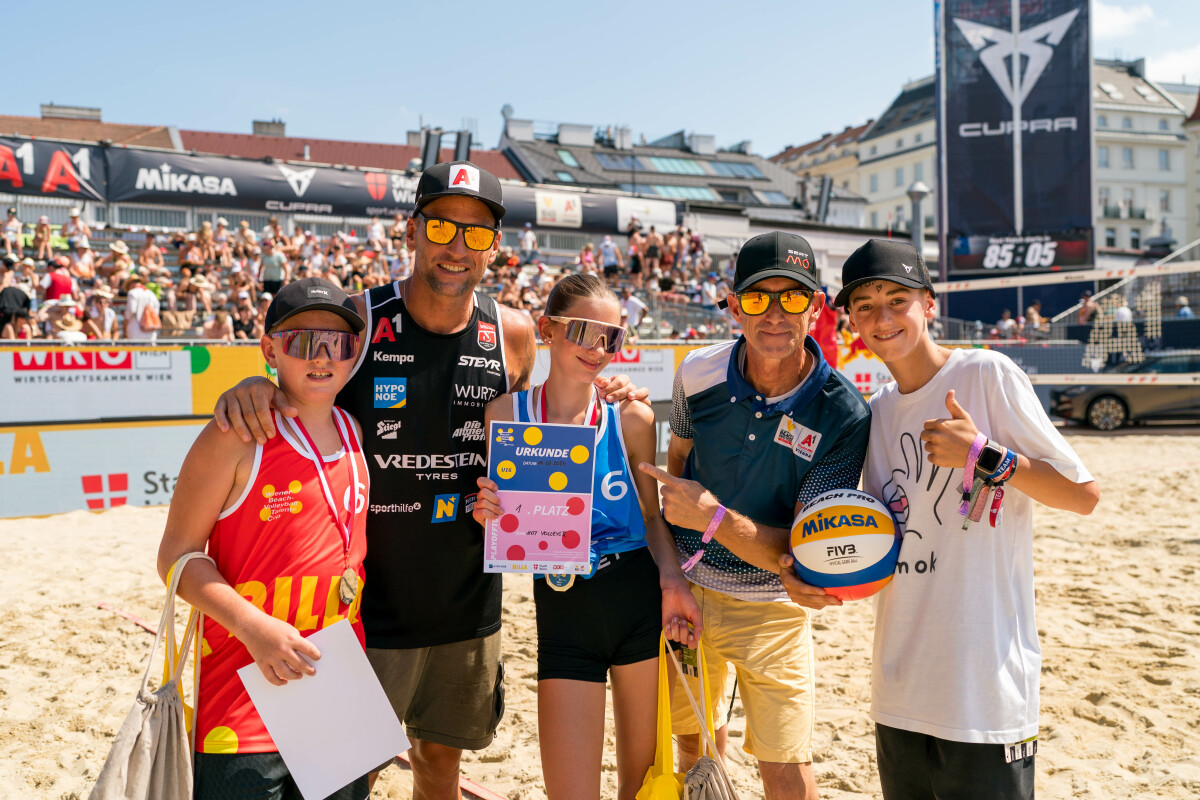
point(148, 176)
point(51, 169)
point(986, 227)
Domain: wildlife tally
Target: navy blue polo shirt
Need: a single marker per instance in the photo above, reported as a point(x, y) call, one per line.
point(760, 458)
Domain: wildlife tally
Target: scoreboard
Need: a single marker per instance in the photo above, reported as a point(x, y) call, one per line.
point(1035, 252)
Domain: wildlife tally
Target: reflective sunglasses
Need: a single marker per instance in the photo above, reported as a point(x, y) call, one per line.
point(792, 301)
point(443, 231)
point(306, 344)
point(588, 333)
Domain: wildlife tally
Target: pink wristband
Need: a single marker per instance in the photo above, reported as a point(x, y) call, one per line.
point(709, 532)
point(969, 472)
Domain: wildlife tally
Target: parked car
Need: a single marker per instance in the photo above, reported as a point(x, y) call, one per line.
point(1109, 407)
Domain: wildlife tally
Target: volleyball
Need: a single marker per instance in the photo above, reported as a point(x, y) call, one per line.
point(846, 542)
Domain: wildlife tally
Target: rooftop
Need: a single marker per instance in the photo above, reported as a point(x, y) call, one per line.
point(87, 130)
point(915, 104)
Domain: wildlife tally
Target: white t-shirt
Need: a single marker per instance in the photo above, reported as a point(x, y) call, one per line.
point(135, 303)
point(956, 651)
point(635, 308)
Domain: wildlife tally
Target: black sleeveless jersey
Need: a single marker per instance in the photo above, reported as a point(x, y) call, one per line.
point(420, 398)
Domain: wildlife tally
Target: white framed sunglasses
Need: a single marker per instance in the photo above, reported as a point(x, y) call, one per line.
point(587, 333)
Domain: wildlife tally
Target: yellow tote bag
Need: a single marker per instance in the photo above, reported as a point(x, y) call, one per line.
point(661, 782)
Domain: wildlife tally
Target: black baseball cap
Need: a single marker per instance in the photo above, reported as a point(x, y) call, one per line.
point(312, 294)
point(883, 260)
point(775, 255)
point(461, 178)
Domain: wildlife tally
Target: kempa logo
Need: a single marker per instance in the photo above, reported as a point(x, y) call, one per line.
point(298, 179)
point(995, 48)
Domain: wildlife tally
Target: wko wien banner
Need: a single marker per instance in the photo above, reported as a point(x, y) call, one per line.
point(1006, 208)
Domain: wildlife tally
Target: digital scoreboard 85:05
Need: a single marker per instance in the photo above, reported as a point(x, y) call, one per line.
point(1027, 253)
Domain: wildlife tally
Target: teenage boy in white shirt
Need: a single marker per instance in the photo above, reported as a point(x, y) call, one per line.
point(956, 660)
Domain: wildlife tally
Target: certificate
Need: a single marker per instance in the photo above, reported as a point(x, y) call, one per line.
point(544, 474)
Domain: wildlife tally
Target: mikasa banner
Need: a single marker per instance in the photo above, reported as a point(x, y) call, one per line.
point(1014, 134)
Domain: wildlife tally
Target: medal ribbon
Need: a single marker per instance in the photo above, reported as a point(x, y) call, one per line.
point(315, 455)
point(592, 415)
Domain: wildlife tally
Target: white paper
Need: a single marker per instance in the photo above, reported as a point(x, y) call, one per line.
point(333, 727)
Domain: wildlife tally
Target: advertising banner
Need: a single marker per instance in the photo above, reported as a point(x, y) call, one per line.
point(558, 209)
point(51, 169)
point(58, 384)
point(55, 468)
point(650, 368)
point(1014, 202)
point(153, 176)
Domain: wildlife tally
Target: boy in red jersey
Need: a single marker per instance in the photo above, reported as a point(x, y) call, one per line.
point(285, 523)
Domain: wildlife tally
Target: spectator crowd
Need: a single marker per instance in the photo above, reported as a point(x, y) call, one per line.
point(215, 283)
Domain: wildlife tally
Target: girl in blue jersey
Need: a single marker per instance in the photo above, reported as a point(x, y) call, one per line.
point(608, 622)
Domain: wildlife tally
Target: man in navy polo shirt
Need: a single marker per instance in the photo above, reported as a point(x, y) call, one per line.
point(760, 426)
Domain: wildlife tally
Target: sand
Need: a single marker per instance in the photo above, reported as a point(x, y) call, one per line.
point(1118, 612)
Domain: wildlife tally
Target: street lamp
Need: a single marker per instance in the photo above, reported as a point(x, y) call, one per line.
point(916, 193)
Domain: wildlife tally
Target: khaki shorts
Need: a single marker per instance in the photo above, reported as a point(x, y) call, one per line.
point(449, 694)
point(770, 648)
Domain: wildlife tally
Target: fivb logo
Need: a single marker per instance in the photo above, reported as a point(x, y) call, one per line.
point(995, 48)
point(298, 179)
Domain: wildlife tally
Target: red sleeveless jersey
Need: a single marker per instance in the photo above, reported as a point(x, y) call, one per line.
point(279, 547)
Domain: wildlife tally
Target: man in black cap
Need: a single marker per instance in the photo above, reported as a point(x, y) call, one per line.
point(759, 427)
point(435, 352)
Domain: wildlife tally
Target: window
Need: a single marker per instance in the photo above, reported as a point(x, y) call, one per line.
point(918, 138)
point(565, 177)
point(874, 183)
point(1127, 157)
point(686, 192)
point(1164, 200)
point(1126, 122)
point(776, 198)
point(899, 176)
point(874, 149)
point(733, 169)
point(1162, 124)
point(1102, 156)
point(1164, 160)
point(1102, 194)
point(677, 166)
point(845, 184)
point(1135, 238)
point(929, 221)
point(1127, 197)
point(899, 216)
point(919, 171)
point(568, 158)
point(627, 163)
point(900, 143)
point(1101, 121)
point(1110, 237)
point(874, 219)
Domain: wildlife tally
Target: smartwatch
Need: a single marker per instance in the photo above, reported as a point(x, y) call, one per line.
point(989, 459)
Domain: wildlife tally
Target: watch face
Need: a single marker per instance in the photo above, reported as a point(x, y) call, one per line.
point(989, 459)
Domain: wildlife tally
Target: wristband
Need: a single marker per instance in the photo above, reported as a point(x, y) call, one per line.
point(969, 472)
point(709, 532)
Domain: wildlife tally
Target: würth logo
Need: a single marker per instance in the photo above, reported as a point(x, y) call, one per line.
point(95, 494)
point(377, 184)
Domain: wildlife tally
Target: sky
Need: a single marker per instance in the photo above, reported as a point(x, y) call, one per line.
point(776, 73)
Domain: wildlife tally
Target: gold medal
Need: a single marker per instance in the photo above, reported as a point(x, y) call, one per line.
point(348, 586)
point(560, 582)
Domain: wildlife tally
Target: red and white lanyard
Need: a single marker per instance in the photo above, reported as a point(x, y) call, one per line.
point(592, 415)
point(348, 445)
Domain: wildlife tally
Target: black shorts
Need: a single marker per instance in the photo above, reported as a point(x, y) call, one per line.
point(272, 286)
point(256, 776)
point(652, 251)
point(916, 766)
point(611, 270)
point(635, 264)
point(610, 620)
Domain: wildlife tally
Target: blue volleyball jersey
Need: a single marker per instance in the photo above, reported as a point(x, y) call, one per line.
point(617, 524)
